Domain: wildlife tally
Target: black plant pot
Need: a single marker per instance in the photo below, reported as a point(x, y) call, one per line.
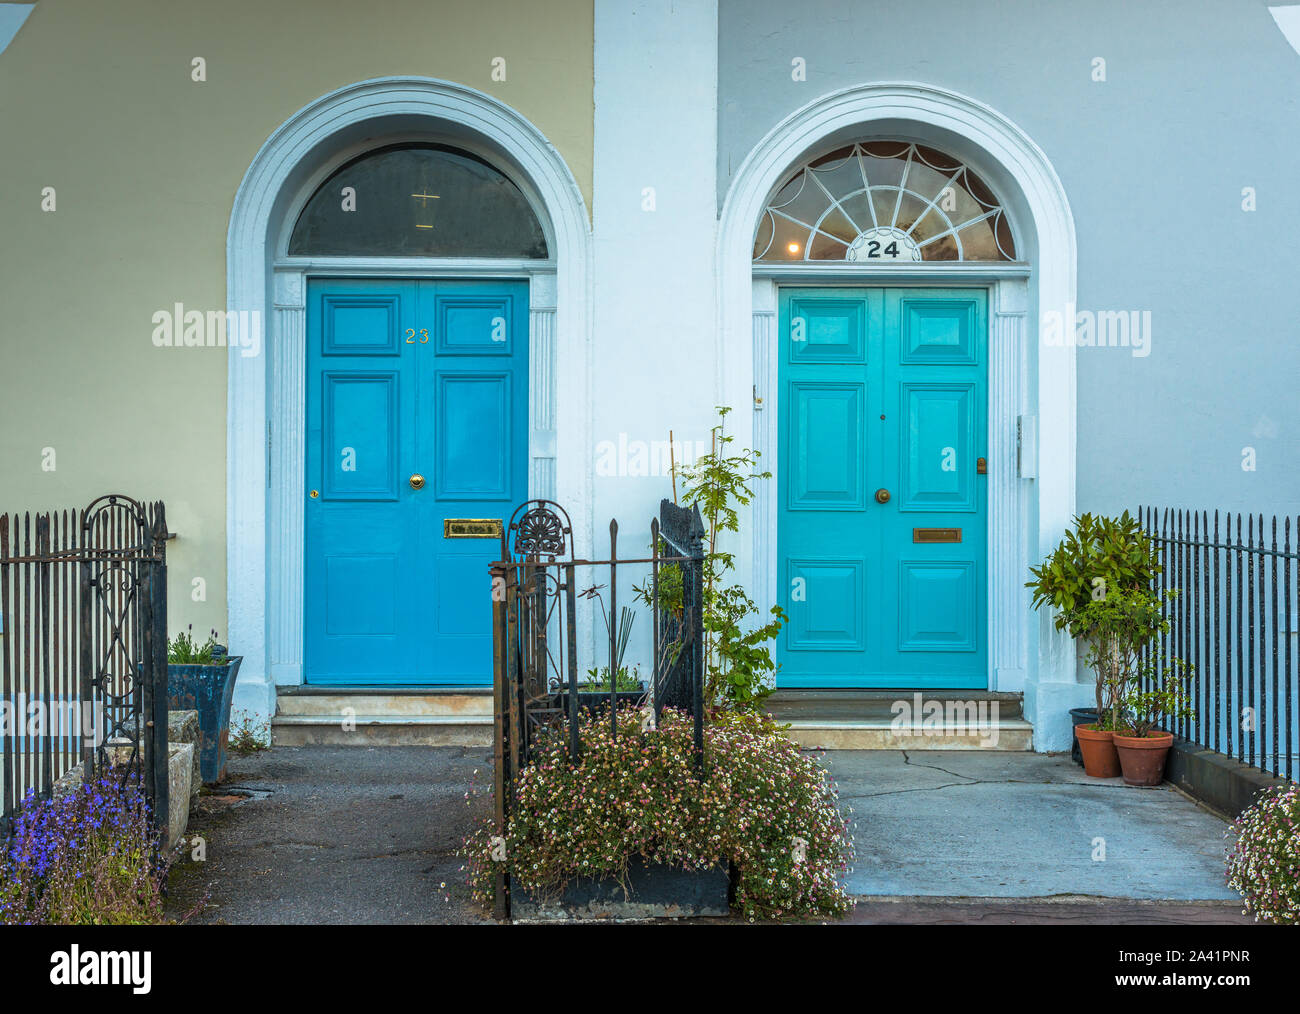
point(1079, 716)
point(651, 891)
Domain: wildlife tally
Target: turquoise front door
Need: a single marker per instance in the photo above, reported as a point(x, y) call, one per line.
point(417, 412)
point(881, 532)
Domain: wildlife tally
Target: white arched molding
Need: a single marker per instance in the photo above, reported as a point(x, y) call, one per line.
point(265, 396)
point(1031, 387)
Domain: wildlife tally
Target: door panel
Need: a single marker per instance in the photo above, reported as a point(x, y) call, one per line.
point(360, 421)
point(405, 378)
point(936, 606)
point(473, 436)
point(837, 586)
point(938, 435)
point(883, 389)
point(827, 458)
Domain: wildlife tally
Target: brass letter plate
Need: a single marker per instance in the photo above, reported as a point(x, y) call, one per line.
point(471, 528)
point(936, 534)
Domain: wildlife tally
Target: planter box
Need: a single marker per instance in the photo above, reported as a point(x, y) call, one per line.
point(654, 892)
point(180, 769)
point(206, 689)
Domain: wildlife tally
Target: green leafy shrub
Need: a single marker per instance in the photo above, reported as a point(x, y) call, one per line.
point(1098, 582)
point(1264, 862)
point(761, 804)
point(1100, 555)
point(1142, 711)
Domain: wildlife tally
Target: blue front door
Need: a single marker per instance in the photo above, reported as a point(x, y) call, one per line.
point(881, 533)
point(417, 412)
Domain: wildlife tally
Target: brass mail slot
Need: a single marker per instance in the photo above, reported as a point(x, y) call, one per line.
point(936, 534)
point(471, 528)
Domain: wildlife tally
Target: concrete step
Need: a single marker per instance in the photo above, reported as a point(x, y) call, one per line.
point(369, 701)
point(368, 716)
point(903, 720)
point(1005, 735)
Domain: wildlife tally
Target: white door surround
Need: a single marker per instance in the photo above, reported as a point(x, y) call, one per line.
point(265, 395)
point(1031, 386)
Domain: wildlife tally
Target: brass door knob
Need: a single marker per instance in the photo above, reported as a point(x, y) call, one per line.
point(417, 481)
point(882, 496)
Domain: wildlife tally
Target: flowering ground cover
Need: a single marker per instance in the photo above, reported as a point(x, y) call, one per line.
point(85, 858)
point(760, 804)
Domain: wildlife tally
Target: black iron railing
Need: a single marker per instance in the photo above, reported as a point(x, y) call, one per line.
point(536, 585)
point(83, 648)
point(1233, 620)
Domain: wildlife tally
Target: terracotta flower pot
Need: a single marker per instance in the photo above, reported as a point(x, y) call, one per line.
point(1142, 758)
point(1099, 757)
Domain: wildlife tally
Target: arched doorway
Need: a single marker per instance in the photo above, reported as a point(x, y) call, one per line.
point(1029, 419)
point(275, 268)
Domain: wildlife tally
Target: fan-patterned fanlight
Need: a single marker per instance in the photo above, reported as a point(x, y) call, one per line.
point(882, 202)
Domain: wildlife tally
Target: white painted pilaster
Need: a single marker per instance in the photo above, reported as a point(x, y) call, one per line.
point(287, 480)
point(1008, 499)
point(541, 387)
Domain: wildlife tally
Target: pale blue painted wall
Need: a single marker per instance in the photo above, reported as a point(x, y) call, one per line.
point(1202, 98)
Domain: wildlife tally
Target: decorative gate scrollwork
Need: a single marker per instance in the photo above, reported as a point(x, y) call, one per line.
point(123, 607)
point(535, 592)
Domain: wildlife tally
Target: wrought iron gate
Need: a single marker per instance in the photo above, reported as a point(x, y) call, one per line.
point(536, 585)
point(83, 644)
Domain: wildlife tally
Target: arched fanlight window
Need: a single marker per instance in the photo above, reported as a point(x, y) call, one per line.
point(418, 201)
point(884, 201)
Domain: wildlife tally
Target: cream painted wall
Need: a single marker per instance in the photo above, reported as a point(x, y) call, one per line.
point(97, 101)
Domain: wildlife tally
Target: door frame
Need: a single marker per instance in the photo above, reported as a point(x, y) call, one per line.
point(265, 393)
point(286, 430)
point(1007, 545)
point(1032, 381)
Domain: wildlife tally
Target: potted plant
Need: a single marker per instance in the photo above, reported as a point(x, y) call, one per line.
point(1142, 747)
point(1098, 581)
point(593, 692)
point(201, 677)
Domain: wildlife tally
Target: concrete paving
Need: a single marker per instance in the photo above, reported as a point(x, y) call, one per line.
point(1021, 825)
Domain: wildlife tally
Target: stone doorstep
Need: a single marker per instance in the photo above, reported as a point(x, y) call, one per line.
point(382, 730)
point(1006, 735)
point(450, 704)
point(868, 720)
point(402, 716)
